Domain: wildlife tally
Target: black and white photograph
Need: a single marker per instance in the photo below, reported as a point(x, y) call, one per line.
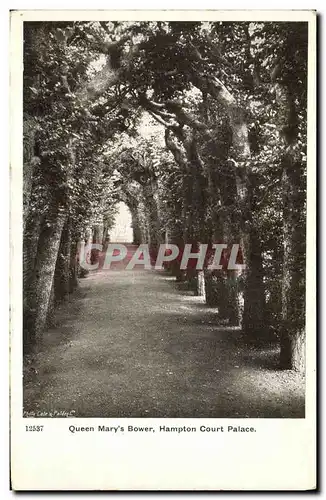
point(164, 219)
point(163, 250)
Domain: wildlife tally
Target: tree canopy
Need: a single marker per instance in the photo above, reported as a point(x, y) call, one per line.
point(199, 127)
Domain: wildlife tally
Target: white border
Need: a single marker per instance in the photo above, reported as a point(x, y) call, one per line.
point(23, 450)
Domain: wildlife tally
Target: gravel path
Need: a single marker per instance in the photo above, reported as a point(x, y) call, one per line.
point(132, 344)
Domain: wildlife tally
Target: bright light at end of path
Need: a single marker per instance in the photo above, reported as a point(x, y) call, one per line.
point(122, 229)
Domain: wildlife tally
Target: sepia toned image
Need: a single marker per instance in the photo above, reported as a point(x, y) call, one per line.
point(164, 219)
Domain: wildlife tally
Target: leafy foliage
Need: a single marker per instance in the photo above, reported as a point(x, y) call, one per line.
point(93, 89)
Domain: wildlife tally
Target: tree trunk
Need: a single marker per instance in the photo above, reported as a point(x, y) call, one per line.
point(105, 238)
point(87, 240)
point(180, 236)
point(136, 220)
point(153, 222)
point(30, 162)
point(293, 347)
point(238, 165)
point(143, 222)
point(201, 284)
point(96, 239)
point(46, 258)
point(74, 265)
point(30, 244)
point(137, 236)
point(62, 270)
point(293, 283)
point(51, 307)
point(254, 292)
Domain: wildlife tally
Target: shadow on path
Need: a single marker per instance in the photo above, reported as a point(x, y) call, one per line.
point(130, 344)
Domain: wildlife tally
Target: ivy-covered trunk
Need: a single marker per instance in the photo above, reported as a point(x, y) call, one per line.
point(153, 222)
point(51, 307)
point(201, 284)
point(47, 253)
point(292, 354)
point(74, 263)
point(137, 234)
point(97, 239)
point(30, 243)
point(254, 293)
point(62, 270)
point(293, 283)
point(85, 254)
point(30, 163)
point(237, 170)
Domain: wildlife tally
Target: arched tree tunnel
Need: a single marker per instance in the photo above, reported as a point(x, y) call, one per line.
point(158, 128)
